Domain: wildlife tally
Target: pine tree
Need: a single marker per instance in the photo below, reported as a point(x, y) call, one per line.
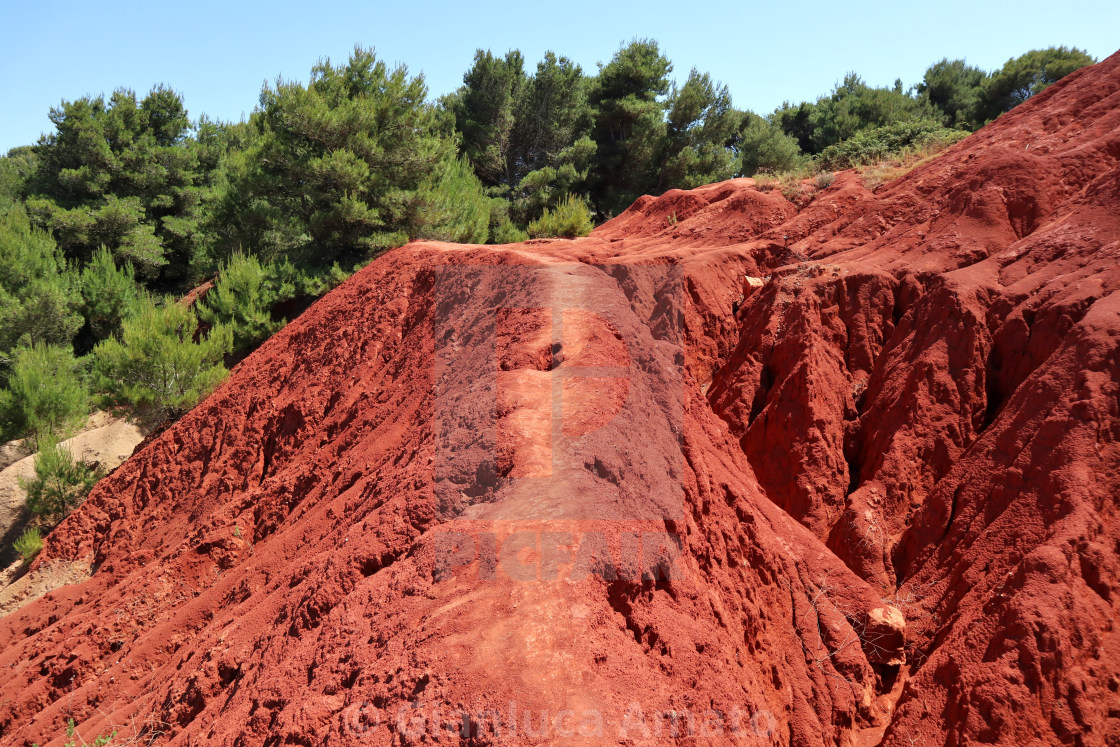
point(242, 300)
point(39, 297)
point(484, 110)
point(125, 175)
point(552, 115)
point(338, 166)
point(161, 365)
point(46, 393)
point(955, 88)
point(108, 294)
point(629, 126)
point(1029, 74)
point(60, 484)
point(702, 127)
point(764, 147)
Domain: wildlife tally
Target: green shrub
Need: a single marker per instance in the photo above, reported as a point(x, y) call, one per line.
point(313, 282)
point(39, 296)
point(765, 148)
point(507, 232)
point(108, 294)
point(571, 218)
point(161, 365)
point(60, 483)
point(28, 544)
point(451, 206)
point(45, 393)
point(242, 299)
point(824, 179)
point(889, 141)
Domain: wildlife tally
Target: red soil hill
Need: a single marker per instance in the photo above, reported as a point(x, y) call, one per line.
point(728, 471)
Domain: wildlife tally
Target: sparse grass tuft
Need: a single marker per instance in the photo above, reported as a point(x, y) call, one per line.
point(764, 182)
point(29, 544)
point(876, 174)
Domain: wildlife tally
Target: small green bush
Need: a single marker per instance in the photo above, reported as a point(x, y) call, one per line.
point(889, 141)
point(570, 219)
point(29, 544)
point(452, 206)
point(311, 282)
point(242, 299)
point(824, 179)
point(108, 294)
point(765, 148)
point(161, 365)
point(60, 483)
point(45, 393)
point(39, 296)
point(507, 232)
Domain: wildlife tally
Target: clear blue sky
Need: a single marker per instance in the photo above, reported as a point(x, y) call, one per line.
point(218, 54)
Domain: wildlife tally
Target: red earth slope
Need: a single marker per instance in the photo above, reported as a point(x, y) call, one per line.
point(728, 471)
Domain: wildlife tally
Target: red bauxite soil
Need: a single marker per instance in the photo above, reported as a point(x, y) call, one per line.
point(727, 471)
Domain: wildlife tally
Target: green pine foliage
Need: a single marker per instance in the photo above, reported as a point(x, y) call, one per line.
point(484, 110)
point(506, 232)
point(955, 88)
point(524, 135)
point(547, 186)
point(451, 206)
point(852, 106)
point(570, 219)
point(763, 146)
point(109, 293)
point(311, 284)
point(124, 174)
point(46, 393)
point(337, 168)
point(628, 101)
point(242, 300)
point(1029, 74)
point(39, 297)
point(702, 126)
point(60, 483)
point(16, 169)
point(553, 115)
point(968, 97)
point(161, 365)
